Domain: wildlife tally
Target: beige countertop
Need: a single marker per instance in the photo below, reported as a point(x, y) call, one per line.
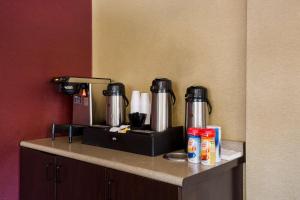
point(156, 168)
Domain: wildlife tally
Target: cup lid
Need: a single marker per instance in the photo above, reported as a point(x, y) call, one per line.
point(194, 131)
point(207, 132)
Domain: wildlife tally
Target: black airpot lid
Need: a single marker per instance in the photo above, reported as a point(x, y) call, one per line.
point(196, 93)
point(114, 89)
point(161, 85)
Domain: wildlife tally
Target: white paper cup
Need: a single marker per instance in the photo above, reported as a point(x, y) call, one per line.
point(145, 106)
point(135, 101)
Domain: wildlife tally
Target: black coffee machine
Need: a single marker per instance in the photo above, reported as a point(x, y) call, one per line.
point(88, 104)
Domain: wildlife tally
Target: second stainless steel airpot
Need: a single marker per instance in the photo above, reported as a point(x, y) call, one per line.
point(116, 102)
point(161, 108)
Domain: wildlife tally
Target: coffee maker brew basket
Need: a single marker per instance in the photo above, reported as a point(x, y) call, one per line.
point(88, 104)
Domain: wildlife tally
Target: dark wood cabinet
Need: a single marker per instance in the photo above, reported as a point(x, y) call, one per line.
point(123, 186)
point(76, 180)
point(36, 175)
point(49, 177)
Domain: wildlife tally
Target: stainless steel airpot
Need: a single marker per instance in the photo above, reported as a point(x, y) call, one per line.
point(116, 102)
point(162, 100)
point(197, 107)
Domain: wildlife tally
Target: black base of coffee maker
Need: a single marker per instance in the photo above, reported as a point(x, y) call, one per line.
point(66, 129)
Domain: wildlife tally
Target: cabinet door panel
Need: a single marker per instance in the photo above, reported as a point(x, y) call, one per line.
point(125, 186)
point(36, 175)
point(77, 180)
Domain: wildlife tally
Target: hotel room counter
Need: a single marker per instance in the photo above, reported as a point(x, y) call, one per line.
point(156, 168)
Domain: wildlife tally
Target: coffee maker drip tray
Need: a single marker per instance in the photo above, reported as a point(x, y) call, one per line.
point(145, 142)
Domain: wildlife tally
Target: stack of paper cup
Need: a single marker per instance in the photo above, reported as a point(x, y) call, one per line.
point(135, 101)
point(145, 106)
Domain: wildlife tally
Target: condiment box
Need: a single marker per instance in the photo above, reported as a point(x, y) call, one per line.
point(145, 142)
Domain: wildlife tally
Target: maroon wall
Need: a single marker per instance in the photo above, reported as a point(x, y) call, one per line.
point(38, 40)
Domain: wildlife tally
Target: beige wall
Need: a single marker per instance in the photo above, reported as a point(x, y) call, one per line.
point(192, 42)
point(273, 100)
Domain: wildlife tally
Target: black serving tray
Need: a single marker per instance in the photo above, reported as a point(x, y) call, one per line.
point(145, 142)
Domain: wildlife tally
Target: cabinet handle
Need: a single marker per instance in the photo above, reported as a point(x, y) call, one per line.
point(110, 184)
point(58, 174)
point(49, 175)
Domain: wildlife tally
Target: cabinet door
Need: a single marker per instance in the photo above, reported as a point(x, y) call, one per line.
point(36, 175)
point(125, 186)
point(77, 180)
